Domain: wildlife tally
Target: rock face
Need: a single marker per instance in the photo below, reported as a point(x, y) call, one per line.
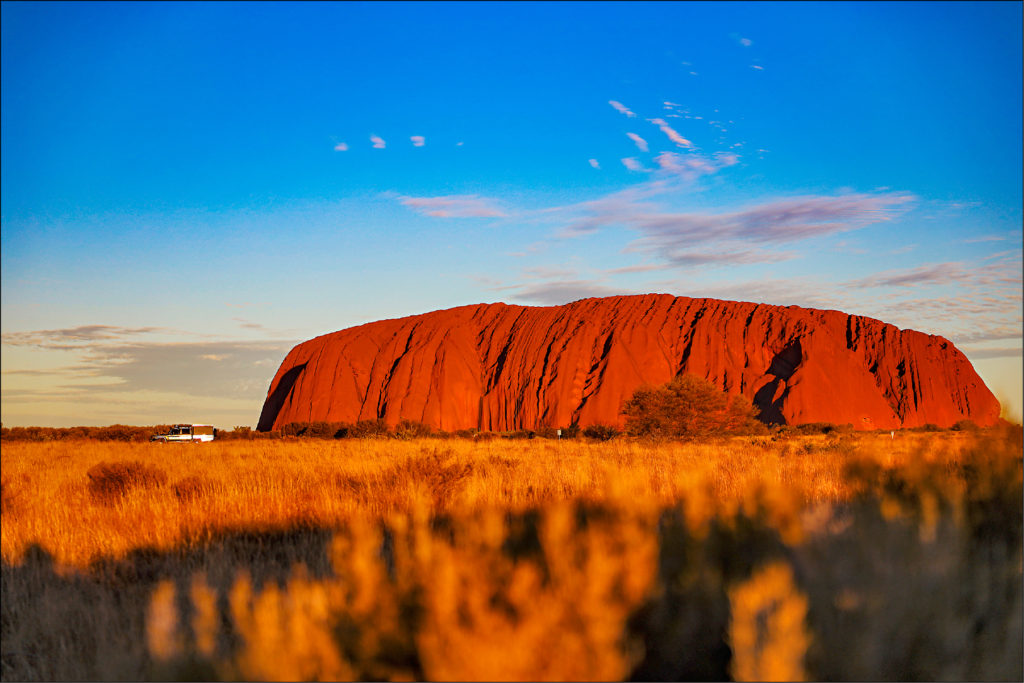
point(500, 367)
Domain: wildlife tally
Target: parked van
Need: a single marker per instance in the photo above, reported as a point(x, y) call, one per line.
point(186, 433)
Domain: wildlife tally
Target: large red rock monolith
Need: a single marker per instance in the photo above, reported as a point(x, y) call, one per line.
point(501, 367)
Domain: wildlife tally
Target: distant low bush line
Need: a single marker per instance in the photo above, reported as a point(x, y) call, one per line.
point(406, 429)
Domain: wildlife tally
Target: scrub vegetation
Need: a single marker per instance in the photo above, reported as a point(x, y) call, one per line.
point(777, 556)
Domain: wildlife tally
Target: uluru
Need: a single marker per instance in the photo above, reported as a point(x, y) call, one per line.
point(505, 367)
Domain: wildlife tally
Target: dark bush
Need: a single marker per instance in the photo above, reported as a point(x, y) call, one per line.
point(365, 429)
point(822, 428)
point(519, 434)
point(111, 433)
point(326, 430)
point(410, 429)
point(570, 432)
point(600, 432)
point(120, 433)
point(483, 436)
point(315, 430)
point(689, 407)
point(239, 433)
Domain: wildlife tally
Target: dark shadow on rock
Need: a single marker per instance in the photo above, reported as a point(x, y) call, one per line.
point(782, 367)
point(276, 400)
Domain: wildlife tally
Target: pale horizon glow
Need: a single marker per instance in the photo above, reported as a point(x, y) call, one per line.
point(180, 206)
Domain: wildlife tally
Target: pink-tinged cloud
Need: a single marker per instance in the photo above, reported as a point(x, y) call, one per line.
point(640, 268)
point(666, 233)
point(985, 238)
point(341, 147)
point(671, 133)
point(746, 42)
point(694, 165)
point(640, 143)
point(594, 164)
point(453, 206)
point(931, 274)
point(776, 222)
point(633, 164)
point(620, 107)
point(756, 66)
point(378, 142)
point(418, 140)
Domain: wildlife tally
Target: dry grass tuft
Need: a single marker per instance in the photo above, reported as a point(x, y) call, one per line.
point(192, 487)
point(109, 482)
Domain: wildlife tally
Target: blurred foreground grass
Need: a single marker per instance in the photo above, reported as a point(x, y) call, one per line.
point(852, 556)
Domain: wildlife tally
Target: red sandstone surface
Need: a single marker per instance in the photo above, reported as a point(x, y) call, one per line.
point(501, 367)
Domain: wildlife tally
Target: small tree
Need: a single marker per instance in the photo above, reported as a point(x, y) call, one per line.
point(688, 407)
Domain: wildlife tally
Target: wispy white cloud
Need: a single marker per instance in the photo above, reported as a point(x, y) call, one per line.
point(757, 66)
point(728, 254)
point(341, 147)
point(693, 165)
point(418, 140)
point(639, 268)
point(683, 238)
point(454, 206)
point(640, 143)
point(620, 107)
point(633, 164)
point(594, 164)
point(746, 42)
point(248, 324)
point(558, 292)
point(776, 222)
point(233, 369)
point(73, 337)
point(549, 272)
point(984, 238)
point(992, 352)
point(1003, 273)
point(378, 142)
point(930, 274)
point(671, 133)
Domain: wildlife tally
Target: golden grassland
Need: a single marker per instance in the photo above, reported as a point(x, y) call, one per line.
point(849, 556)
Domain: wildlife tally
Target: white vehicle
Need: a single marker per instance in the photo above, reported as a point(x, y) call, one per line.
point(186, 434)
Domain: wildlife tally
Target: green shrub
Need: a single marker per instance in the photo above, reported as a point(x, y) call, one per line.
point(689, 407)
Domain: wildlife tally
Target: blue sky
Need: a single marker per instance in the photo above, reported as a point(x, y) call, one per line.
point(190, 189)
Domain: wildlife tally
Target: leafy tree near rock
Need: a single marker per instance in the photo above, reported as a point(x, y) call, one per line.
point(689, 407)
